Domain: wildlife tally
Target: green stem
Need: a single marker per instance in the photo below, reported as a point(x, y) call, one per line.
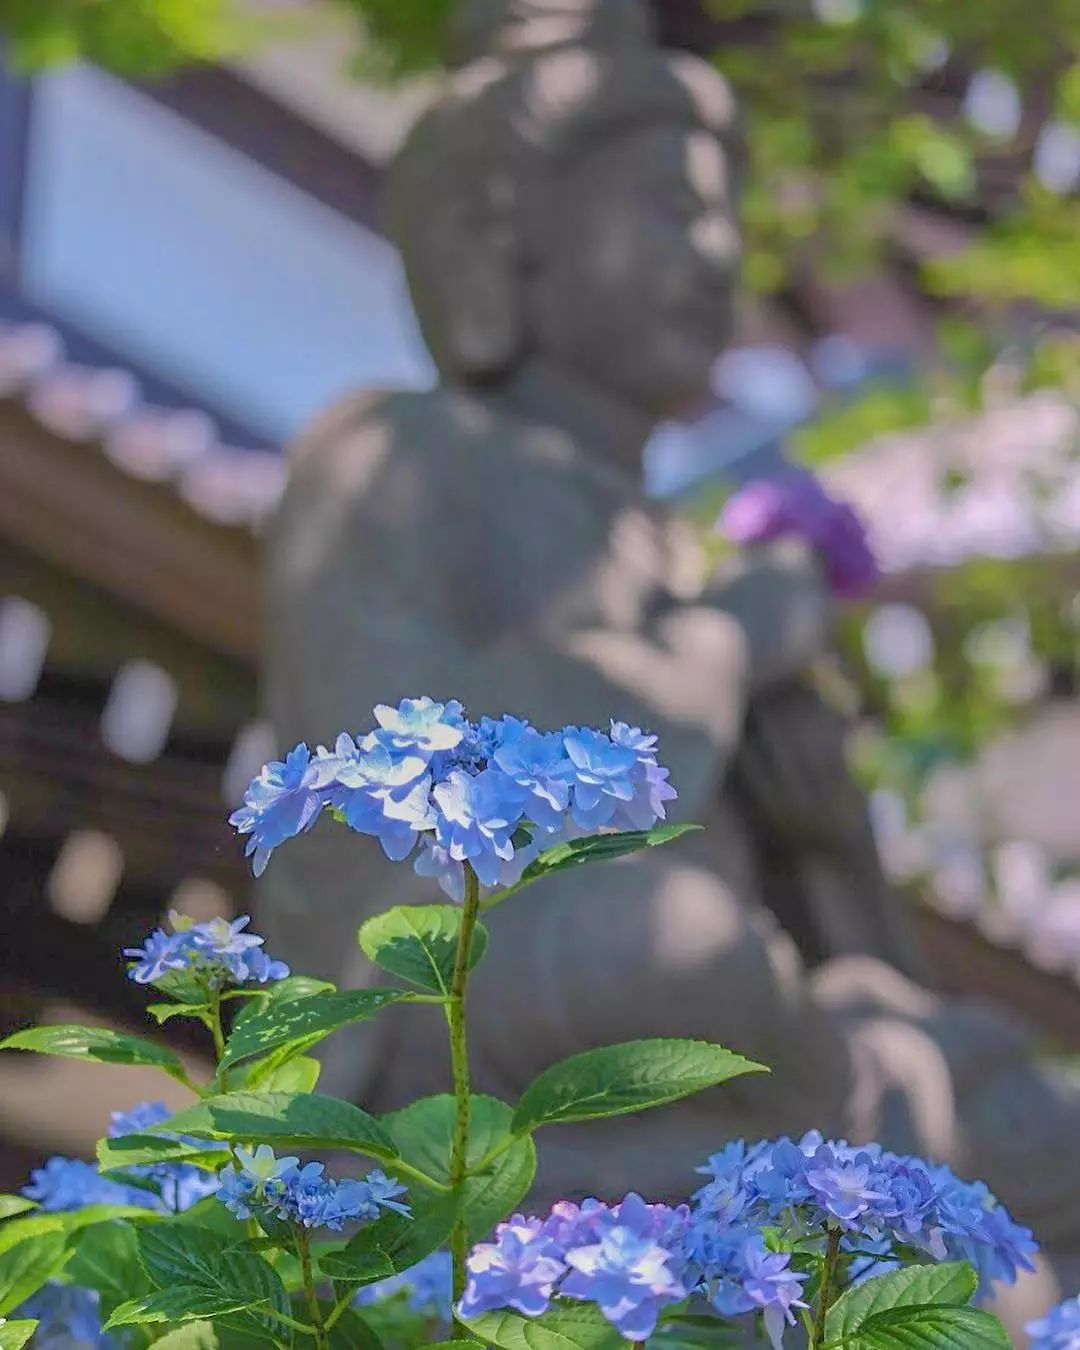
point(215, 1025)
point(303, 1250)
point(828, 1280)
point(459, 1062)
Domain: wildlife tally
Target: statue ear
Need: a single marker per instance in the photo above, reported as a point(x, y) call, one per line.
point(461, 256)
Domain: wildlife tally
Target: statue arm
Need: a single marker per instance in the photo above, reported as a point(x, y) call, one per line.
point(779, 599)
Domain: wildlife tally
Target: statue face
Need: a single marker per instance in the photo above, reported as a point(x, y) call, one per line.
point(635, 266)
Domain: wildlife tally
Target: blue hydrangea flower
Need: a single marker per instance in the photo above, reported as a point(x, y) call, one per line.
point(284, 801)
point(538, 764)
point(1059, 1329)
point(422, 724)
point(628, 1276)
point(161, 953)
point(761, 1281)
point(602, 776)
point(383, 793)
point(490, 795)
point(435, 861)
point(68, 1318)
point(427, 1286)
point(69, 1183)
point(518, 1270)
point(260, 1183)
point(219, 952)
point(476, 819)
point(649, 779)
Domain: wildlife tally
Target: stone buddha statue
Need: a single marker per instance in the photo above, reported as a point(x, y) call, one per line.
point(566, 215)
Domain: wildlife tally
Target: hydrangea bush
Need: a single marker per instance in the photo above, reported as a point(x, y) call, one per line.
point(225, 1224)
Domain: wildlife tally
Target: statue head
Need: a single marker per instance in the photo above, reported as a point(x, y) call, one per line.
point(570, 198)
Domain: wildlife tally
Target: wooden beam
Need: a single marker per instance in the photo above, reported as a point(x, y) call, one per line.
point(67, 503)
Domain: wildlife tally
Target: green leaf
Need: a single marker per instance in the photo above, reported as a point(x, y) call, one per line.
point(95, 1043)
point(25, 1268)
point(295, 1075)
point(422, 1133)
point(419, 943)
point(616, 1079)
point(142, 1150)
point(14, 1204)
point(162, 1012)
point(191, 1336)
point(593, 848)
point(562, 1327)
point(178, 1256)
point(952, 1283)
point(21, 1229)
point(283, 991)
point(297, 1024)
point(284, 1120)
point(930, 1328)
point(106, 1258)
point(14, 1335)
point(393, 1243)
point(180, 1303)
point(351, 1332)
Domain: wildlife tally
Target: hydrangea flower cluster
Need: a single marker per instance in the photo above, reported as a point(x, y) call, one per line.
point(68, 1318)
point(795, 503)
point(736, 1245)
point(882, 1202)
point(68, 1315)
point(427, 1287)
point(491, 794)
point(261, 1185)
point(625, 1258)
point(1059, 1329)
point(219, 953)
point(65, 1184)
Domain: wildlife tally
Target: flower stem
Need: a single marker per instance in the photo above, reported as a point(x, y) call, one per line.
point(459, 1062)
point(303, 1250)
point(828, 1280)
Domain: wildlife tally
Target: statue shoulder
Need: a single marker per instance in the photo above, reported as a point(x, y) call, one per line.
point(371, 426)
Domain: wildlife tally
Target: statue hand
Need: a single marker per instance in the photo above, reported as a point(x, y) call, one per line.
point(778, 596)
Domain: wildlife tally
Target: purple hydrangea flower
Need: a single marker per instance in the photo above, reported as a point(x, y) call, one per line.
point(796, 504)
point(1059, 1329)
point(282, 802)
point(518, 1270)
point(844, 1188)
